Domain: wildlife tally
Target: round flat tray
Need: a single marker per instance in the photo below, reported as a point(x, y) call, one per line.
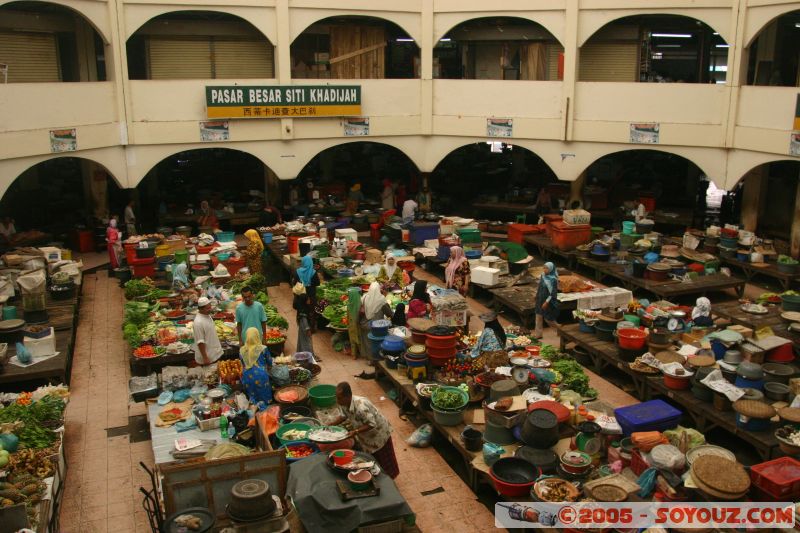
point(207, 520)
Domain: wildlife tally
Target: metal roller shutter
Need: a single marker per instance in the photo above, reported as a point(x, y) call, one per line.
point(31, 57)
point(243, 59)
point(554, 50)
point(609, 62)
point(173, 59)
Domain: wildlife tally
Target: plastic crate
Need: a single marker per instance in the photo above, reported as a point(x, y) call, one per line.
point(424, 232)
point(653, 415)
point(469, 235)
point(566, 237)
point(779, 478)
point(517, 232)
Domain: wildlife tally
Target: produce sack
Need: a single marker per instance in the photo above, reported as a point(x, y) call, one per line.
point(33, 282)
point(421, 438)
point(668, 457)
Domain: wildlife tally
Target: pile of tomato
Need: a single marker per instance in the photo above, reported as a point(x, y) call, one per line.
point(145, 352)
point(298, 451)
point(275, 336)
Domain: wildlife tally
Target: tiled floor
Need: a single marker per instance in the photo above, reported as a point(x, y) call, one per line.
point(103, 474)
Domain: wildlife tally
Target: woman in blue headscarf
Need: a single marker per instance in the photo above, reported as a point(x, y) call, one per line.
point(546, 299)
point(180, 280)
point(307, 275)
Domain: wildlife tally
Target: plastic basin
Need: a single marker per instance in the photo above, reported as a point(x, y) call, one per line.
point(448, 418)
point(322, 395)
point(631, 339)
point(289, 427)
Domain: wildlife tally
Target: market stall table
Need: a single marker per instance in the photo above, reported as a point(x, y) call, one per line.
point(704, 414)
point(665, 289)
point(733, 312)
point(62, 316)
point(240, 219)
point(143, 366)
point(603, 354)
point(313, 489)
point(768, 269)
point(163, 438)
point(547, 249)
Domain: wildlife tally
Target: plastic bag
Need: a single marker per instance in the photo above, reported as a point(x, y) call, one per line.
point(693, 438)
point(421, 438)
point(23, 354)
point(668, 457)
point(647, 482)
point(181, 395)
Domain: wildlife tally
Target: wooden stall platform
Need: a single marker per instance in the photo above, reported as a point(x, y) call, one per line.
point(665, 289)
point(63, 317)
point(769, 270)
point(547, 250)
point(733, 311)
point(704, 415)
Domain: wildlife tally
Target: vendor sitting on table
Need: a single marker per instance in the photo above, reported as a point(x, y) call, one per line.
point(370, 428)
point(701, 314)
point(390, 275)
point(493, 337)
point(420, 304)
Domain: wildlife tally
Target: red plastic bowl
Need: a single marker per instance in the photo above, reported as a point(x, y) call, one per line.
point(441, 341)
point(561, 412)
point(343, 457)
point(677, 383)
point(515, 489)
point(631, 338)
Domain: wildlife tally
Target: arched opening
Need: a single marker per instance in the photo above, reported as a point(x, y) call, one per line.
point(199, 45)
point(655, 49)
point(672, 188)
point(492, 178)
point(498, 48)
point(325, 182)
point(766, 200)
point(43, 42)
point(235, 184)
point(352, 47)
point(774, 55)
point(55, 197)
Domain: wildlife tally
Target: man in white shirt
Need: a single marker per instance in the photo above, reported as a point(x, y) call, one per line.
point(130, 219)
point(207, 348)
point(409, 211)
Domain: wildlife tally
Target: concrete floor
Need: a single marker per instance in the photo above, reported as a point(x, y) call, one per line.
point(103, 476)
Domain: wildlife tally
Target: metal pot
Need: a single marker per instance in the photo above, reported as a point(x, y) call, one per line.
point(751, 371)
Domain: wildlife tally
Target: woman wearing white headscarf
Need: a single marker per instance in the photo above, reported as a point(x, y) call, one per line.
point(373, 307)
point(180, 280)
point(701, 314)
point(390, 275)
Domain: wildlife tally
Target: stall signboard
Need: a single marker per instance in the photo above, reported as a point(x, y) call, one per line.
point(644, 133)
point(214, 130)
point(356, 126)
point(499, 127)
point(63, 140)
point(794, 143)
point(796, 126)
point(282, 101)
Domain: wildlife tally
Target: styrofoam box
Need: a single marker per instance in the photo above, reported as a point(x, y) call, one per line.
point(576, 217)
point(431, 243)
point(346, 233)
point(485, 276)
point(41, 347)
point(492, 261)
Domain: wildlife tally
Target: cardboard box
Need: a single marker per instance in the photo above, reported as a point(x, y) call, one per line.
point(577, 217)
point(449, 318)
point(346, 233)
point(431, 243)
point(745, 332)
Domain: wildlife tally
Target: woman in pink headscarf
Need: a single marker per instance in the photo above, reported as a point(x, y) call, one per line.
point(456, 272)
point(113, 236)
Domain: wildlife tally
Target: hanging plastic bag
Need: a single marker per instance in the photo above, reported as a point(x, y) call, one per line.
point(421, 438)
point(23, 354)
point(668, 457)
point(647, 482)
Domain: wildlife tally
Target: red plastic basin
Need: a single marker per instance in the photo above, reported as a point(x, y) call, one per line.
point(441, 341)
point(677, 383)
point(631, 338)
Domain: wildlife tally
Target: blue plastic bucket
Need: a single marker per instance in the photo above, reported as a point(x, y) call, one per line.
point(585, 328)
point(744, 383)
point(9, 312)
point(379, 328)
point(375, 345)
point(753, 424)
point(266, 237)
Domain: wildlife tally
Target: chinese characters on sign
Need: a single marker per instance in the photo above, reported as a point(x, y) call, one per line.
point(63, 140)
point(283, 101)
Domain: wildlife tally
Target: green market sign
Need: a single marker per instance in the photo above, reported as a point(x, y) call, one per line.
point(282, 101)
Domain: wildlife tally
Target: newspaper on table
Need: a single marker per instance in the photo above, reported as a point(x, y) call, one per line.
point(717, 382)
point(448, 300)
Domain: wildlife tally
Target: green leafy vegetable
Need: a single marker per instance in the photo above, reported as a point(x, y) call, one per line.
point(274, 318)
point(448, 399)
point(137, 287)
point(574, 378)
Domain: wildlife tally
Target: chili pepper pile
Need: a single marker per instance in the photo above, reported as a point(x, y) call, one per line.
point(298, 451)
point(145, 352)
